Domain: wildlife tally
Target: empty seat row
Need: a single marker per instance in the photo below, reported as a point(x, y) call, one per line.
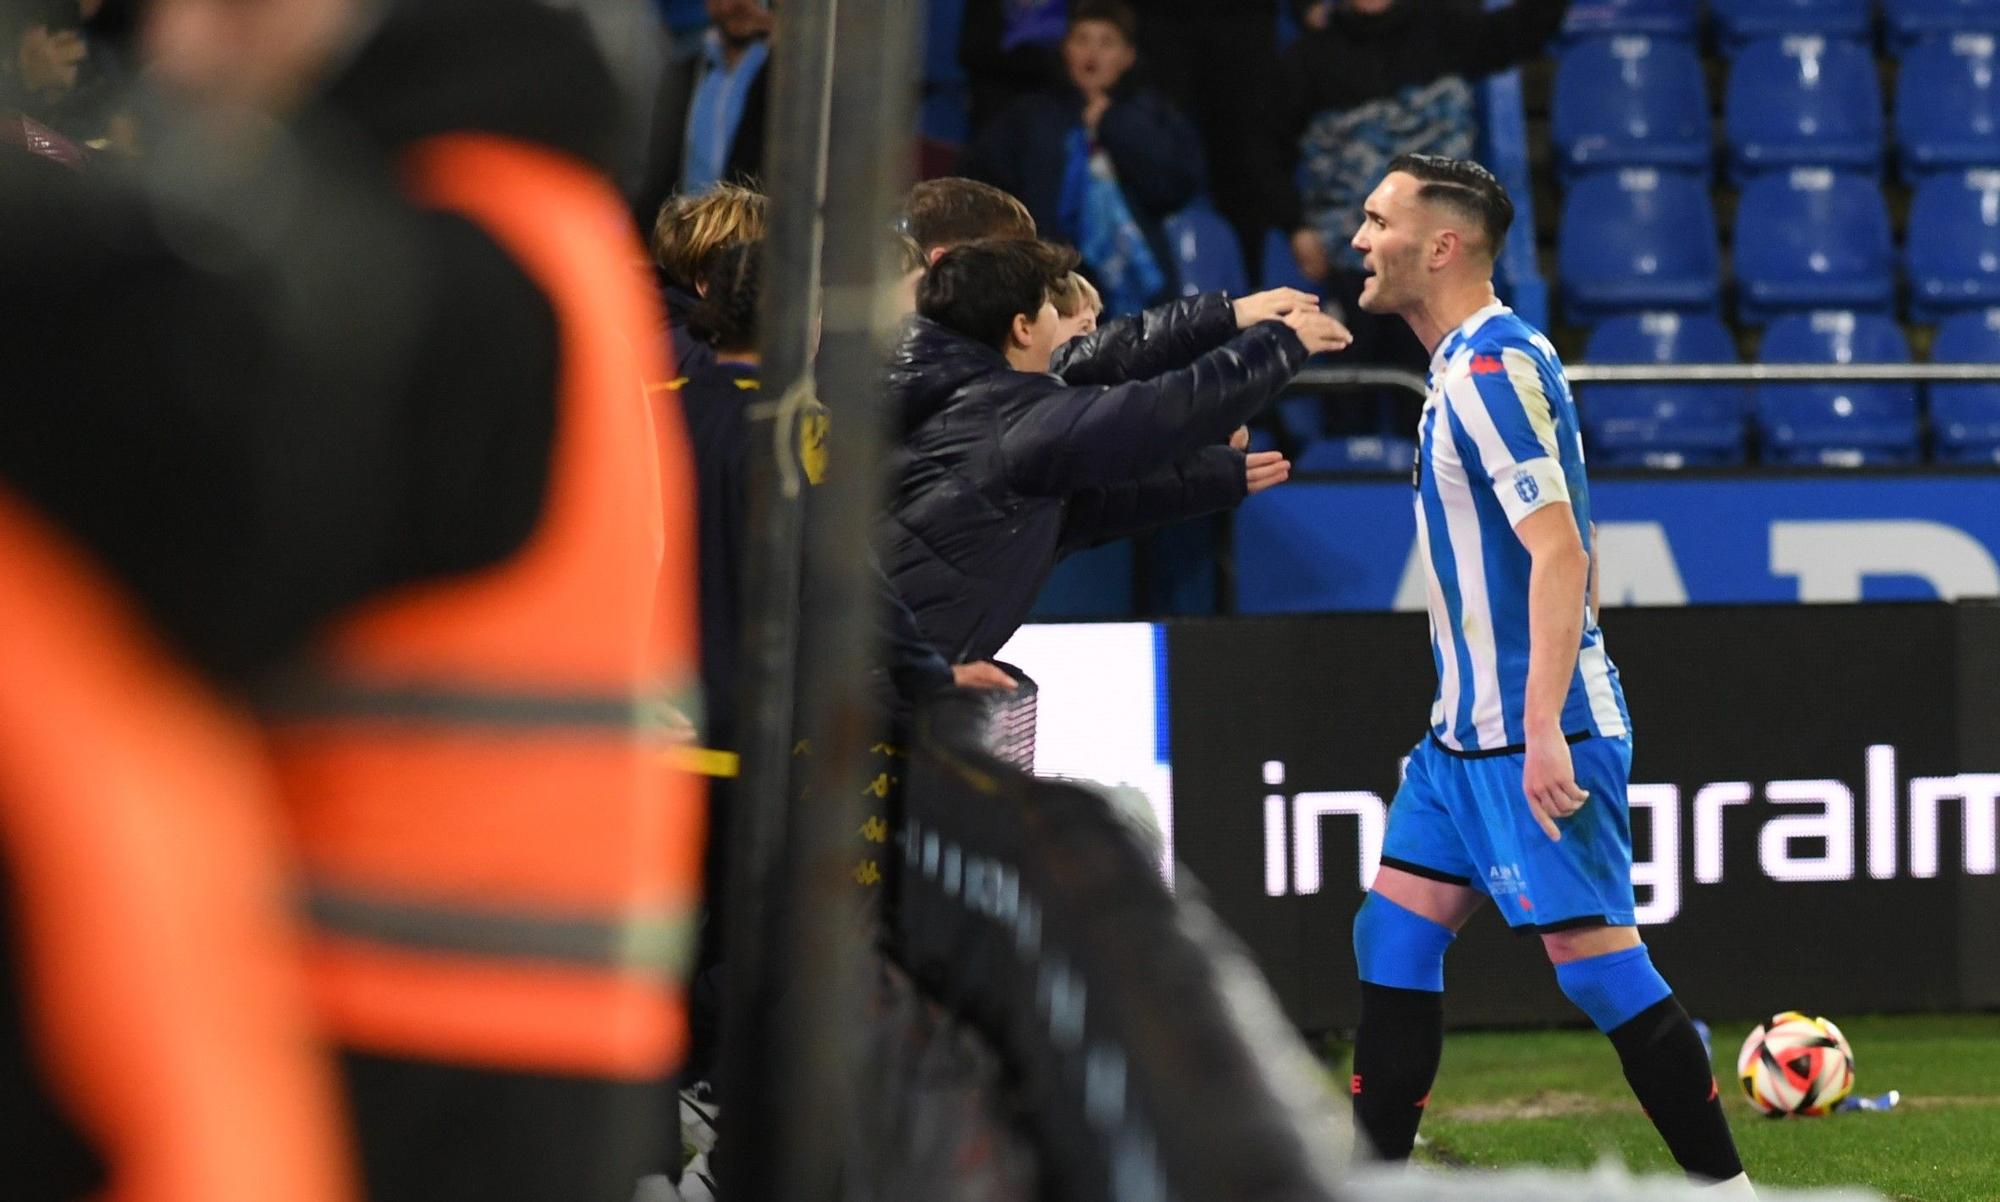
point(1810, 238)
point(1740, 21)
point(1846, 424)
point(1793, 101)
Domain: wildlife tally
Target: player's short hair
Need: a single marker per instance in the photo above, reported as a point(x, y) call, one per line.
point(953, 211)
point(1115, 13)
point(691, 229)
point(1464, 187)
point(1075, 294)
point(979, 288)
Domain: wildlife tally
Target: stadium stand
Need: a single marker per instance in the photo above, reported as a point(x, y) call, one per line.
point(1663, 425)
point(1740, 21)
point(1638, 238)
point(1666, 18)
point(1812, 238)
point(1377, 453)
point(1965, 418)
point(1206, 254)
point(1803, 99)
point(1953, 252)
point(1279, 269)
point(1837, 425)
point(1910, 21)
point(1947, 105)
point(1630, 100)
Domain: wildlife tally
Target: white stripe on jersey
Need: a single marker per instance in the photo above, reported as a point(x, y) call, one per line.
point(1596, 668)
point(1447, 658)
point(1468, 551)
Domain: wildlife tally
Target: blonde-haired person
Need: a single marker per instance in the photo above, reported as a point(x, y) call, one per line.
point(688, 235)
point(1077, 305)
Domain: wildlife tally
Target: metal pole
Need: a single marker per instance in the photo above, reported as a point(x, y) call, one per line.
point(749, 1069)
point(1690, 373)
point(872, 135)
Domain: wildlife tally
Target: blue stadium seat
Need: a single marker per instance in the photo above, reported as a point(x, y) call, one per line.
point(1739, 21)
point(1279, 269)
point(1911, 21)
point(1302, 415)
point(1948, 105)
point(1965, 418)
point(1386, 454)
point(1662, 425)
point(1803, 100)
point(1812, 239)
point(1206, 254)
point(1630, 100)
point(1837, 425)
point(1665, 18)
point(1953, 254)
point(1637, 238)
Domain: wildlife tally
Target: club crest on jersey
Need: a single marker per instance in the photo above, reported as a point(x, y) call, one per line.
point(1526, 488)
point(1485, 365)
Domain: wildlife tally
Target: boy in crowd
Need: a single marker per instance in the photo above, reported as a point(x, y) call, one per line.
point(1005, 466)
point(1079, 306)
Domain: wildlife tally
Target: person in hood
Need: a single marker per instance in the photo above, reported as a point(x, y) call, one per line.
point(1099, 159)
point(1004, 467)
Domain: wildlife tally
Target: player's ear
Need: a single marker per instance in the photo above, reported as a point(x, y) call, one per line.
point(1446, 246)
point(1022, 332)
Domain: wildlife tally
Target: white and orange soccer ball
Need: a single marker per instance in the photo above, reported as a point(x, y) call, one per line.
point(1794, 1064)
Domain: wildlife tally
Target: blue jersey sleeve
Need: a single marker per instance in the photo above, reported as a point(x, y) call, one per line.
point(1505, 406)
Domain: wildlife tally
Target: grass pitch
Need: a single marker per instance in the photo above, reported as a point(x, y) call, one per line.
point(1557, 1098)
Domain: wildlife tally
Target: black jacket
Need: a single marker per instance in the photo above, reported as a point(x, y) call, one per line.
point(1001, 472)
point(714, 398)
point(1361, 57)
point(1155, 150)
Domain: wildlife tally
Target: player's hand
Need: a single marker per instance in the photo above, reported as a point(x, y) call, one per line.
point(1272, 305)
point(1319, 332)
point(1266, 469)
point(982, 675)
point(1309, 249)
point(1549, 780)
point(1240, 441)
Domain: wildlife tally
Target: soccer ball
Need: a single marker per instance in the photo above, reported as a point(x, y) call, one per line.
point(1795, 1064)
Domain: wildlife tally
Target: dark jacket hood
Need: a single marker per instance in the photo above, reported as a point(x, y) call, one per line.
point(932, 363)
point(516, 68)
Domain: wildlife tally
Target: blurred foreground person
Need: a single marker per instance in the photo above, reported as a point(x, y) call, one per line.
point(156, 1039)
point(1004, 467)
point(357, 413)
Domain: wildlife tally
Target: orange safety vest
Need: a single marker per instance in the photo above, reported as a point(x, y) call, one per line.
point(161, 970)
point(503, 865)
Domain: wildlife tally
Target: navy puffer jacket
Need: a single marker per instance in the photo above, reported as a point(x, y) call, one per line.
point(1001, 472)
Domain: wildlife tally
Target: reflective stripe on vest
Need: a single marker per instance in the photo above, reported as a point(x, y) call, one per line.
point(162, 974)
point(503, 867)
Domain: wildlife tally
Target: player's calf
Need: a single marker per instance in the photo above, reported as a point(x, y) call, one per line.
point(1662, 1054)
point(1401, 1036)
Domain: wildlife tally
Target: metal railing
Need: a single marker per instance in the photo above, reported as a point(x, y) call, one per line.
point(1346, 378)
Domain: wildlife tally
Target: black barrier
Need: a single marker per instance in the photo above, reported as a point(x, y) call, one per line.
point(1814, 816)
point(1148, 1058)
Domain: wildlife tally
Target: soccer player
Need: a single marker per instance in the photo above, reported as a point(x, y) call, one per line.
point(1517, 792)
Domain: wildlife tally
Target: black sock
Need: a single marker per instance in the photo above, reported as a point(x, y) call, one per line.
point(1396, 1052)
point(1669, 1071)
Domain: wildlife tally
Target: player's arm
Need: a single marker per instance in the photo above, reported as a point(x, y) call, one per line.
point(1557, 584)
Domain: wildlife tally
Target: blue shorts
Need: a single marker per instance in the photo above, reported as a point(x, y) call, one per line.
point(1464, 820)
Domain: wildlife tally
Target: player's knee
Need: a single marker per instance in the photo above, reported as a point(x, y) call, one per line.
point(1399, 948)
point(1614, 987)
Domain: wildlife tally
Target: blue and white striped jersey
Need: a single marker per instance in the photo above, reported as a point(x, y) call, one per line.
point(1499, 440)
